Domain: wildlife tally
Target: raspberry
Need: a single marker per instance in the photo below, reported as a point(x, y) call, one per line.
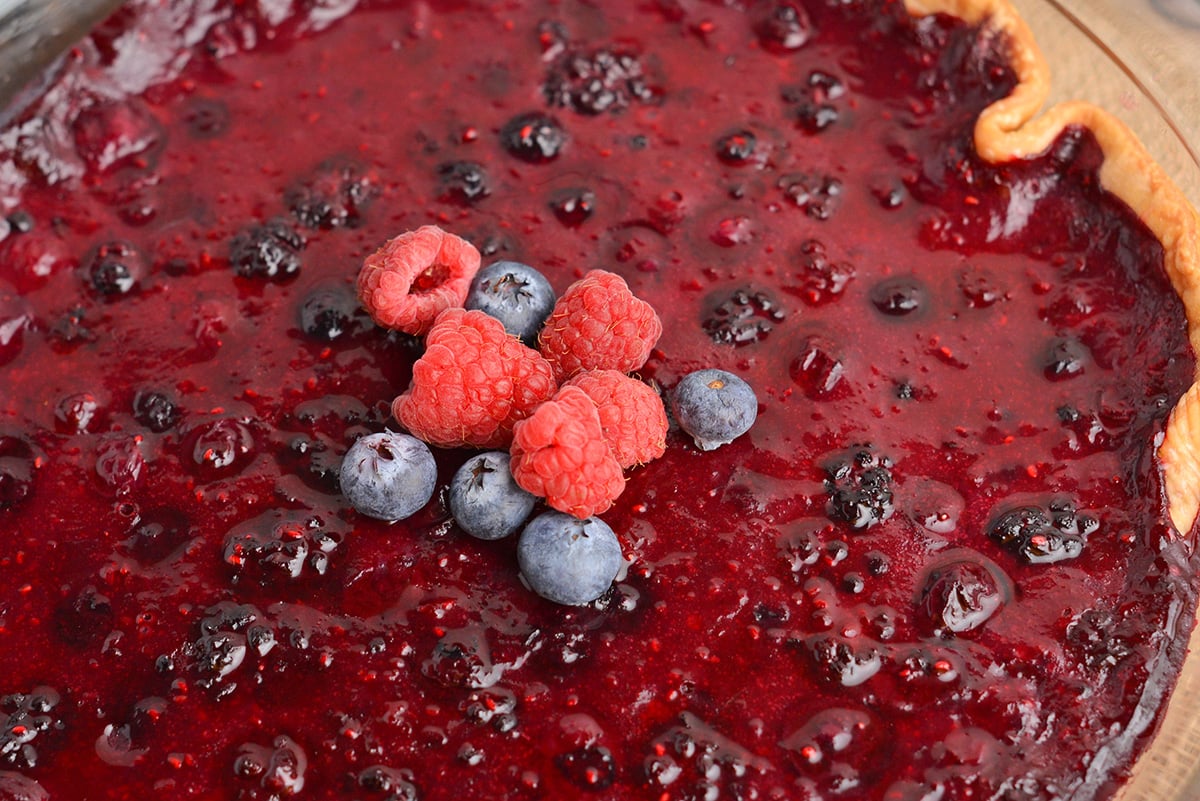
point(598, 324)
point(473, 383)
point(631, 414)
point(560, 453)
point(411, 279)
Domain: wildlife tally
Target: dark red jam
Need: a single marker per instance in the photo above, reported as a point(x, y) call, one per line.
point(938, 567)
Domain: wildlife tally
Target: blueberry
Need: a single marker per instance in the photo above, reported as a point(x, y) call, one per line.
point(533, 137)
point(328, 311)
point(737, 147)
point(714, 406)
point(900, 296)
point(463, 182)
point(485, 500)
point(18, 460)
point(388, 476)
point(113, 268)
point(572, 207)
point(568, 560)
point(516, 295)
point(206, 119)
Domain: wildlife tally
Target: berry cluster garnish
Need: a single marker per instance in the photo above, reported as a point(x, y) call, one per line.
point(571, 414)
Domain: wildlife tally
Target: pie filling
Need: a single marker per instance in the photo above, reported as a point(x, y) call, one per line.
point(939, 566)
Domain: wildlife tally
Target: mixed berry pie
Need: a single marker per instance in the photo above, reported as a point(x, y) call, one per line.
point(952, 557)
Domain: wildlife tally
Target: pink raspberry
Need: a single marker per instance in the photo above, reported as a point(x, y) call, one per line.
point(598, 324)
point(631, 413)
point(559, 453)
point(411, 279)
point(472, 384)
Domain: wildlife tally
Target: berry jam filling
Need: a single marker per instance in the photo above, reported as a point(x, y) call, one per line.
point(938, 565)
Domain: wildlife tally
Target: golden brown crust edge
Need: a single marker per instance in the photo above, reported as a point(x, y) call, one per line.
point(1008, 129)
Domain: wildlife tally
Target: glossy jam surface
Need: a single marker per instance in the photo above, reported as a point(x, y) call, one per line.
point(937, 567)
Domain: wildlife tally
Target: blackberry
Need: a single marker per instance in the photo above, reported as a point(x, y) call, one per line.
point(844, 660)
point(155, 410)
point(1043, 534)
point(816, 194)
point(279, 546)
point(396, 784)
point(460, 659)
point(743, 317)
point(859, 483)
point(819, 279)
point(533, 137)
point(463, 182)
point(602, 80)
point(960, 596)
point(336, 195)
point(811, 103)
point(228, 634)
point(221, 447)
point(267, 251)
point(24, 718)
point(278, 769)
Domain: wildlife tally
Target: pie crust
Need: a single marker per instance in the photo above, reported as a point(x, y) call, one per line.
point(1012, 128)
point(1016, 127)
